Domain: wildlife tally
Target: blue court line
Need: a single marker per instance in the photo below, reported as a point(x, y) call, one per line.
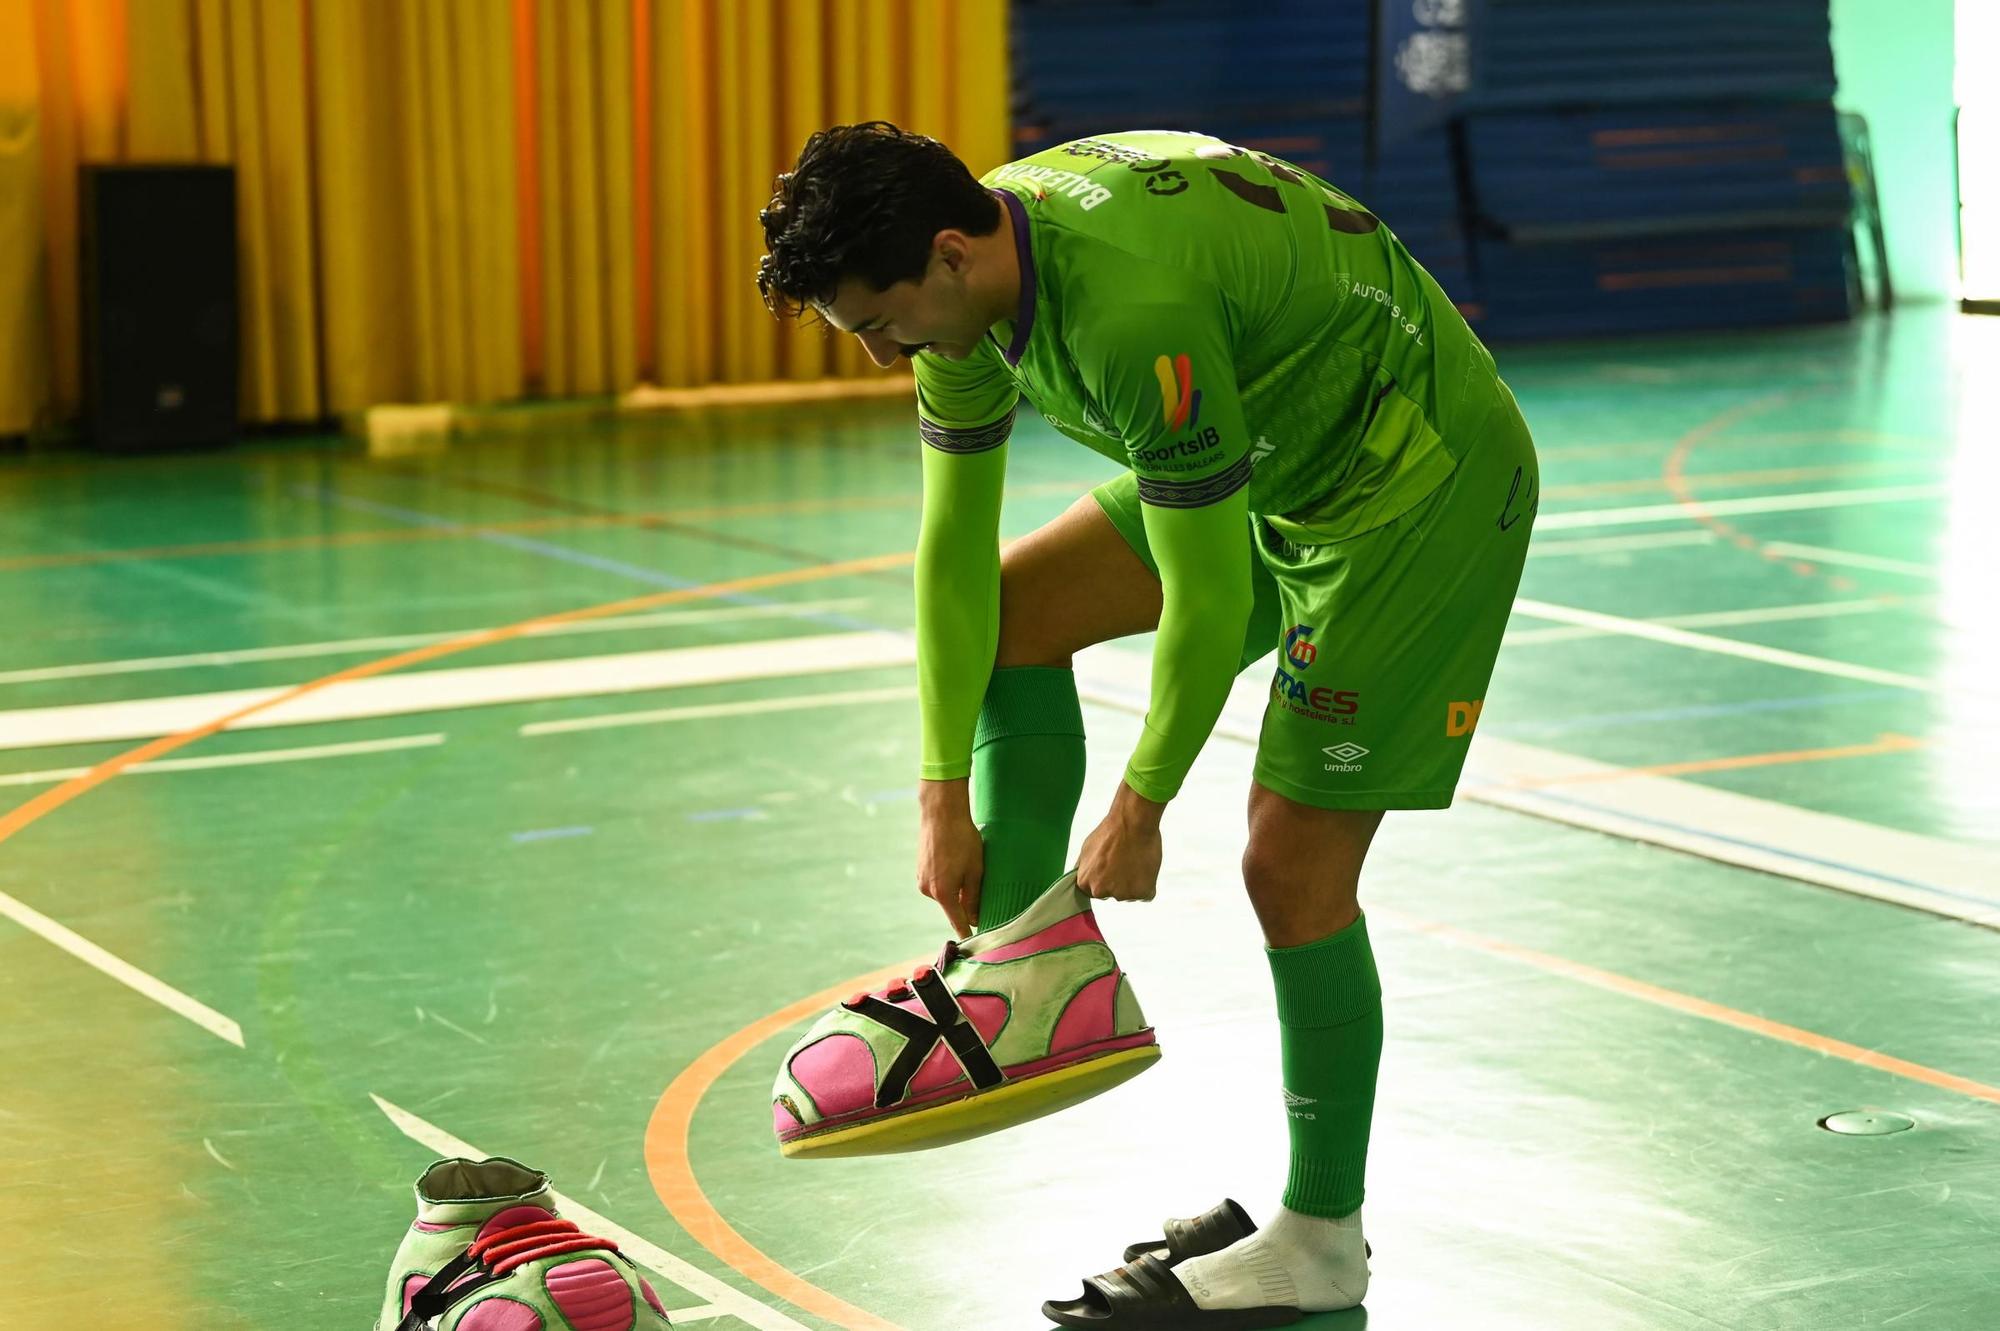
point(228, 593)
point(1990, 903)
point(657, 578)
point(1701, 711)
point(551, 833)
point(548, 550)
point(729, 815)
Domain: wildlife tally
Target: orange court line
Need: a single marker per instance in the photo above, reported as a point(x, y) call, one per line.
point(268, 544)
point(776, 508)
point(392, 535)
point(1696, 1007)
point(1776, 475)
point(667, 1133)
point(1673, 482)
point(770, 1275)
point(1680, 484)
point(54, 798)
point(1888, 743)
point(1775, 439)
point(672, 1171)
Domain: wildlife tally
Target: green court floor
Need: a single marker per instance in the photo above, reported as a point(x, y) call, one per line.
point(1726, 863)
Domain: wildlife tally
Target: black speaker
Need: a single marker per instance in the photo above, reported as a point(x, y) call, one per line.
point(158, 261)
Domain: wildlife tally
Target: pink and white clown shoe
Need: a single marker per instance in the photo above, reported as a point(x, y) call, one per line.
point(1009, 1025)
point(488, 1252)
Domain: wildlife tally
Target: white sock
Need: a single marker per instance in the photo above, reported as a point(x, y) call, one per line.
point(1296, 1261)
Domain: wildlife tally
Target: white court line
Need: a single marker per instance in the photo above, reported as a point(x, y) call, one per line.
point(1707, 642)
point(570, 677)
point(1770, 614)
point(1948, 878)
point(1848, 558)
point(721, 1295)
point(752, 707)
point(90, 954)
point(1604, 545)
point(257, 759)
point(811, 654)
point(406, 692)
point(293, 651)
point(637, 670)
point(1607, 517)
point(1777, 503)
point(1942, 877)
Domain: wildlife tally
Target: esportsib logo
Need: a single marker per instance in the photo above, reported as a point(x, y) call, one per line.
point(1298, 646)
point(1180, 400)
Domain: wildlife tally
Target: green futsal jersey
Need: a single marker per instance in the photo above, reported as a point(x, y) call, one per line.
point(1245, 338)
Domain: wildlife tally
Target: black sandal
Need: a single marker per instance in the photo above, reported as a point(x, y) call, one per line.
point(1147, 1296)
point(1211, 1232)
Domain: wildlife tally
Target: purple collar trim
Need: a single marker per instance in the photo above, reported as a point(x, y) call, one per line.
point(1024, 318)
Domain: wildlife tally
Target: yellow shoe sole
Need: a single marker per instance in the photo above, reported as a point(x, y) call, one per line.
point(978, 1114)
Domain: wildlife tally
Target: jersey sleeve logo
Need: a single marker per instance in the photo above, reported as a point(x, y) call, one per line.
point(979, 439)
point(1164, 493)
point(1180, 400)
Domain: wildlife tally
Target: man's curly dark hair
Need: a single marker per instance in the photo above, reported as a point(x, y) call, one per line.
point(864, 201)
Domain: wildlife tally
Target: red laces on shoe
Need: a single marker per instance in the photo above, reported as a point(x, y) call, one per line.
point(504, 1249)
point(904, 990)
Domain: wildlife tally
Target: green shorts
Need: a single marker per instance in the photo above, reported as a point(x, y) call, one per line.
point(1386, 639)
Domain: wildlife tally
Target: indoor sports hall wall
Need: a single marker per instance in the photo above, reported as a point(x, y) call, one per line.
point(465, 200)
point(1625, 166)
point(1895, 63)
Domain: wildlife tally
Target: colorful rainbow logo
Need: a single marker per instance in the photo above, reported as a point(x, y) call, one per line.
point(1180, 400)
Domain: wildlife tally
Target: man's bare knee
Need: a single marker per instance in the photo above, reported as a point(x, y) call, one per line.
point(1069, 584)
point(1026, 637)
point(1302, 867)
point(1295, 905)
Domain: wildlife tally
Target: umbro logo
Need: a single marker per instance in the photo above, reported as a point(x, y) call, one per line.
point(1346, 757)
point(1294, 1106)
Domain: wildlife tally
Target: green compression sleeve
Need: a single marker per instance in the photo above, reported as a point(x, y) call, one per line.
point(1204, 556)
point(958, 592)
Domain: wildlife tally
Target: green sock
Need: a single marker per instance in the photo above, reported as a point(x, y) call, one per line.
point(1330, 1015)
point(1027, 777)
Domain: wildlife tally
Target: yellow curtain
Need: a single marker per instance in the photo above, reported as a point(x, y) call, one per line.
point(466, 200)
point(24, 314)
point(416, 209)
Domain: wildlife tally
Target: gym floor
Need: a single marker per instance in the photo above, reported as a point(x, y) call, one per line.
point(528, 797)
